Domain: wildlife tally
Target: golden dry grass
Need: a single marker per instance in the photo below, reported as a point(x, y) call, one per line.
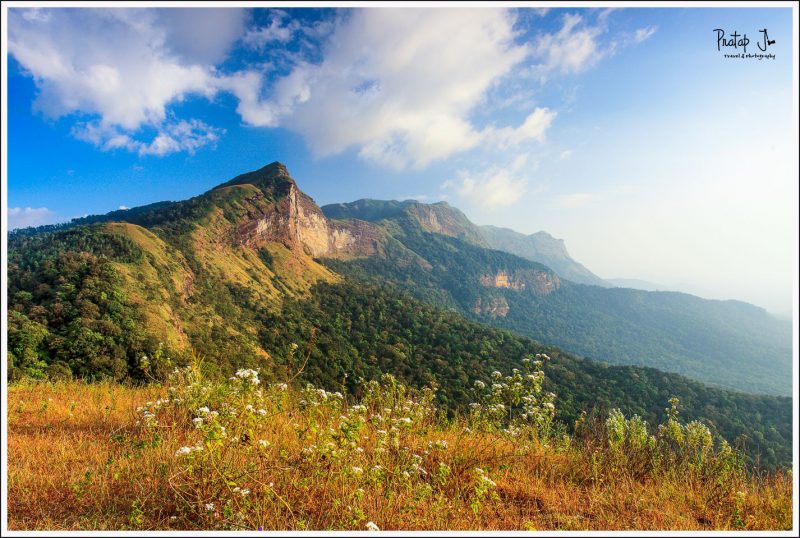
point(77, 460)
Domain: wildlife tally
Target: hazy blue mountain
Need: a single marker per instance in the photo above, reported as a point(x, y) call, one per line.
point(637, 284)
point(543, 248)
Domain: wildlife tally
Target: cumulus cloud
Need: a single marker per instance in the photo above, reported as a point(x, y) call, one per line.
point(19, 217)
point(400, 87)
point(113, 63)
point(494, 187)
point(201, 35)
point(123, 67)
point(396, 85)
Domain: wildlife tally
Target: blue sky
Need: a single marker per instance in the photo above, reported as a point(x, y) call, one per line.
point(624, 132)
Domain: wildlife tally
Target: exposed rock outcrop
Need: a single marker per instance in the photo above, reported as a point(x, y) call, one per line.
point(538, 282)
point(493, 306)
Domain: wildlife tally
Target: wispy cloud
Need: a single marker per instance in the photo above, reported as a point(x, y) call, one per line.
point(574, 48)
point(494, 187)
point(642, 34)
point(174, 137)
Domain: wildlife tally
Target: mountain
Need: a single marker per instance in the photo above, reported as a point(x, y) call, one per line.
point(445, 219)
point(725, 343)
point(636, 284)
point(440, 217)
point(242, 274)
point(543, 248)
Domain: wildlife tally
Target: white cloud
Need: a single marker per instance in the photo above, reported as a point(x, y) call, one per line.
point(124, 67)
point(172, 137)
point(202, 35)
point(533, 128)
point(113, 63)
point(400, 87)
point(642, 34)
point(494, 187)
point(566, 154)
point(19, 217)
point(123, 208)
point(36, 14)
point(574, 48)
point(396, 85)
point(276, 32)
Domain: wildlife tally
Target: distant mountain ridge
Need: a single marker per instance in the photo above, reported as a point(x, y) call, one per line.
point(543, 248)
point(441, 217)
point(637, 284)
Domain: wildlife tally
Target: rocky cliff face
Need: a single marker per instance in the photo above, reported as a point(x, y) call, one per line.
point(538, 282)
point(294, 220)
point(279, 212)
point(356, 238)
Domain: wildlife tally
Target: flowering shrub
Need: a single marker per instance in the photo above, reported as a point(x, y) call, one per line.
point(516, 403)
point(226, 474)
point(675, 447)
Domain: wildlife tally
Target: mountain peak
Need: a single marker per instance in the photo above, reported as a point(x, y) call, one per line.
point(266, 177)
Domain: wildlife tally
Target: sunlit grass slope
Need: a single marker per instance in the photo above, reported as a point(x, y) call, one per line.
point(242, 454)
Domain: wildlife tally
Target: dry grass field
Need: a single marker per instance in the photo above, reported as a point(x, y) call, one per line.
point(105, 456)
